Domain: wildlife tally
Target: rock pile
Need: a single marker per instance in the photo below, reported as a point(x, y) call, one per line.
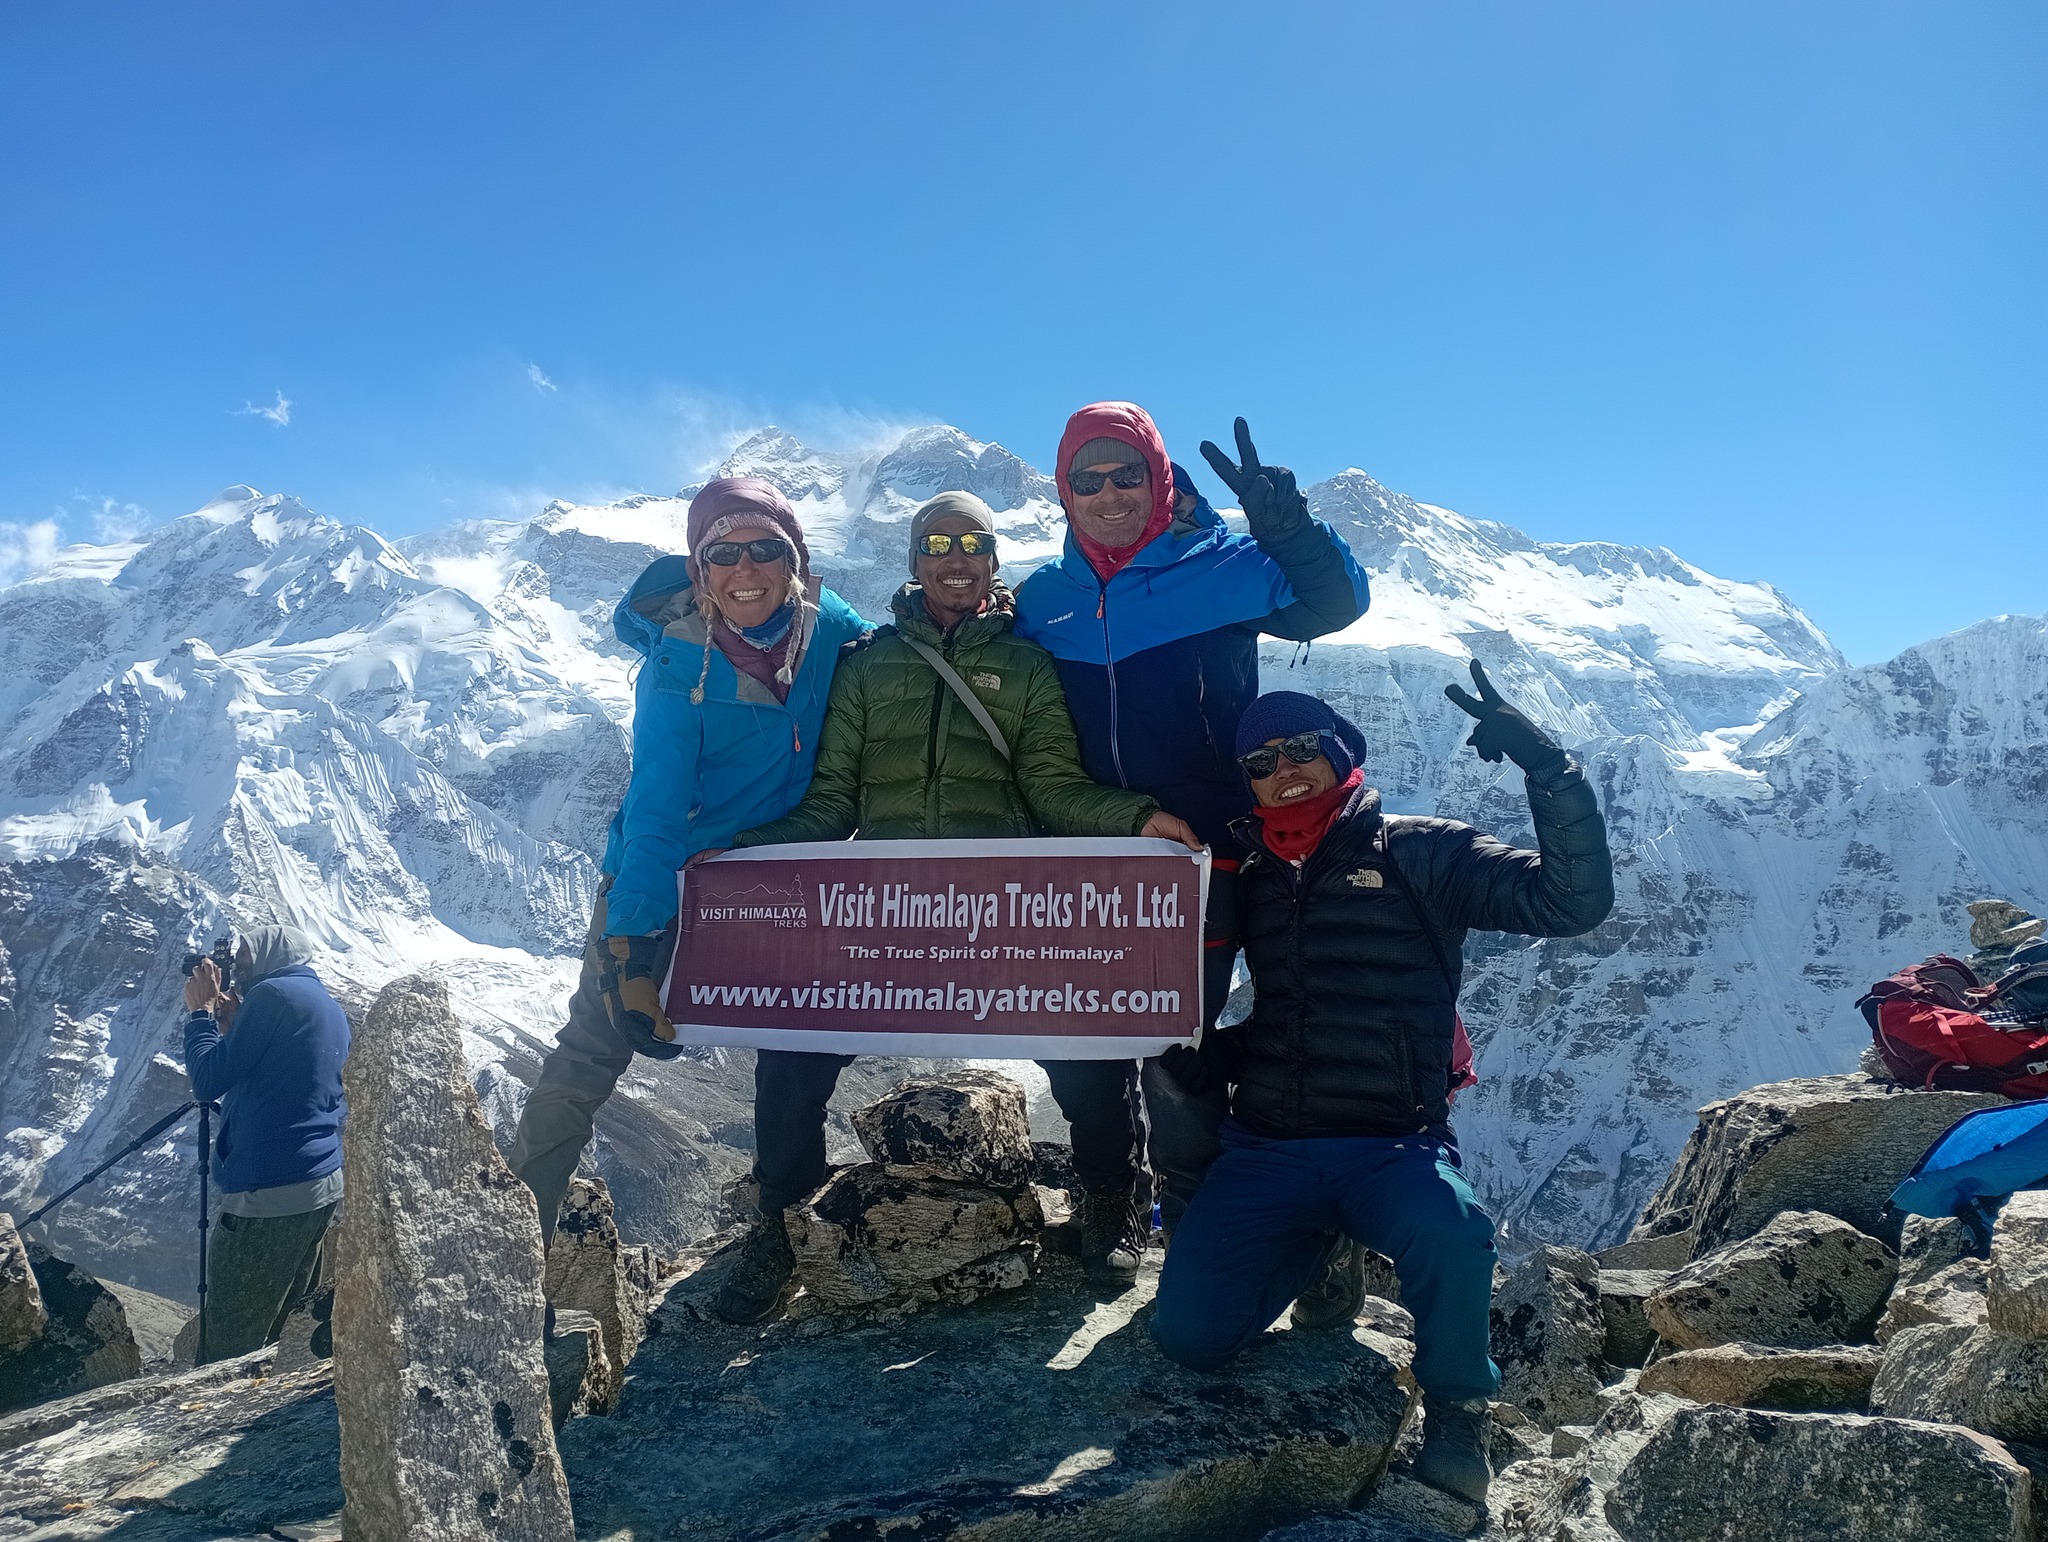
point(944, 1211)
point(61, 1330)
point(591, 1271)
point(1814, 1367)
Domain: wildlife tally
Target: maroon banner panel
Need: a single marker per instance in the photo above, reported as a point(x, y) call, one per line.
point(1046, 949)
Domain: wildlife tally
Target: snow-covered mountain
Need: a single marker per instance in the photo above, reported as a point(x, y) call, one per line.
point(411, 750)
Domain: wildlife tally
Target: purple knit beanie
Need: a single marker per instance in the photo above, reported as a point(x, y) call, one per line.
point(1283, 714)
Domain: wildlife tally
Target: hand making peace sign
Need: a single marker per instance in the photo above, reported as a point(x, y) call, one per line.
point(1272, 504)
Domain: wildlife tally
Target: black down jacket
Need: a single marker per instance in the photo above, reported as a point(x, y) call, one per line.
point(1352, 1021)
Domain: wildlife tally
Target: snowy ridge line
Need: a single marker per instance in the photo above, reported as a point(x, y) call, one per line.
point(410, 749)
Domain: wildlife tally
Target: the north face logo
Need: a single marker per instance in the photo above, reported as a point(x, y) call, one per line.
point(1367, 878)
point(988, 682)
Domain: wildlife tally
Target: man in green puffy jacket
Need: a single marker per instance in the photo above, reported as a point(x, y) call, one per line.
point(902, 757)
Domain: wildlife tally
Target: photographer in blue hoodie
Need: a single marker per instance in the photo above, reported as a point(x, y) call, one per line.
point(271, 1054)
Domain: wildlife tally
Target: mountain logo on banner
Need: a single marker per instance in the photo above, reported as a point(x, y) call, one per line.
point(763, 902)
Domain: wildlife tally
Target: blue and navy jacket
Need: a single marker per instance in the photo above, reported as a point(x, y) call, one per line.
point(704, 771)
point(277, 1074)
point(1160, 662)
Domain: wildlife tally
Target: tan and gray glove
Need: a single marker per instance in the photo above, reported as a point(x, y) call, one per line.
point(631, 980)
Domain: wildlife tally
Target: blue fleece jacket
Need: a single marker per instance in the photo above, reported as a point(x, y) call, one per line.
point(704, 771)
point(277, 1074)
point(1160, 662)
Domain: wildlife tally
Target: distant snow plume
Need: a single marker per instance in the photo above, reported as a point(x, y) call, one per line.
point(280, 414)
point(25, 550)
point(113, 520)
point(539, 381)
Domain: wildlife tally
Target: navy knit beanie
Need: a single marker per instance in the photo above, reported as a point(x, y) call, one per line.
point(1283, 714)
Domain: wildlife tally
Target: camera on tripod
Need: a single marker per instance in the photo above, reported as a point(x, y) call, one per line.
point(223, 956)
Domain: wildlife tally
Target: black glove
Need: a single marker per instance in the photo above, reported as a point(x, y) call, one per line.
point(1503, 729)
point(631, 981)
point(1272, 505)
point(1204, 1071)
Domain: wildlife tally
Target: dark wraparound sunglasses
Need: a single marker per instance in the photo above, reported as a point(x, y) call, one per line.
point(1089, 483)
point(976, 543)
point(1300, 749)
point(726, 554)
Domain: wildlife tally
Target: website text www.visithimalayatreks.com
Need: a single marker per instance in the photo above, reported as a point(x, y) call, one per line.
point(968, 1000)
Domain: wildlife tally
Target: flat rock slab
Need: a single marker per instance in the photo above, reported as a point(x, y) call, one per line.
point(1836, 1378)
point(1044, 1413)
point(226, 1451)
point(1966, 1375)
point(2018, 1303)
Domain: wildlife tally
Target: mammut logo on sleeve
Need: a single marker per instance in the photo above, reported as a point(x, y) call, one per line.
point(1056, 620)
point(1366, 878)
point(988, 682)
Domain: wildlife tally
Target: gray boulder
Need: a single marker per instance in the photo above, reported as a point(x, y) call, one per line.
point(1804, 1281)
point(1547, 1337)
point(438, 1370)
point(1665, 1250)
point(1043, 1413)
point(1836, 1144)
point(156, 1321)
point(876, 1236)
point(2018, 1293)
point(1926, 1247)
point(1835, 1379)
point(85, 1340)
point(22, 1317)
point(1956, 1296)
point(1710, 1474)
point(1563, 1499)
point(1964, 1375)
point(967, 1125)
point(1629, 1336)
point(590, 1270)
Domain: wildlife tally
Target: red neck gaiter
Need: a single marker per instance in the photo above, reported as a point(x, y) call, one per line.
point(1108, 561)
point(1293, 830)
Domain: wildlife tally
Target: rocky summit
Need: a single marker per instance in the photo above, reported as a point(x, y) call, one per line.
point(1033, 1405)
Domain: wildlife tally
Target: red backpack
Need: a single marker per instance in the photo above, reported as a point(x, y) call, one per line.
point(1930, 1026)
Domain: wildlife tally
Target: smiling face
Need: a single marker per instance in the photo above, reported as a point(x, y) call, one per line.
point(748, 592)
point(955, 584)
point(1291, 783)
point(1116, 516)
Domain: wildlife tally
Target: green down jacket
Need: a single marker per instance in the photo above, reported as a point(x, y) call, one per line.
point(901, 758)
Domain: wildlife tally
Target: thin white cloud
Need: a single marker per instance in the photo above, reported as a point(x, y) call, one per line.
point(25, 550)
point(281, 414)
point(113, 520)
point(539, 381)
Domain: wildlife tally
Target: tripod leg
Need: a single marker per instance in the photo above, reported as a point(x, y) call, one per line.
point(205, 1176)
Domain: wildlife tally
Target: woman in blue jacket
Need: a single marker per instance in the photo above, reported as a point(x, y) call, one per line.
point(738, 643)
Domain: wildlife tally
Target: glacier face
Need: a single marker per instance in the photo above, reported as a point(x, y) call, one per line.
point(411, 749)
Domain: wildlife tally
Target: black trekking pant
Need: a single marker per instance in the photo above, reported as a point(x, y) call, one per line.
point(791, 1088)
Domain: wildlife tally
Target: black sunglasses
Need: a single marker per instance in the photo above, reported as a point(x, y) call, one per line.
point(769, 548)
point(1301, 749)
point(976, 543)
point(1089, 483)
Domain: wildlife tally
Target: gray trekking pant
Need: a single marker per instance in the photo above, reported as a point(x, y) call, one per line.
point(589, 1057)
point(258, 1270)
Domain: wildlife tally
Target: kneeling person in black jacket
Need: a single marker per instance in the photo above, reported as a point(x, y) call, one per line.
point(1353, 923)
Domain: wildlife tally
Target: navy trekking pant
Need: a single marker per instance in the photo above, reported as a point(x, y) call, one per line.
point(1255, 1237)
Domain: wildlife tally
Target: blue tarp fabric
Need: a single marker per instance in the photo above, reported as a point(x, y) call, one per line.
point(1984, 1155)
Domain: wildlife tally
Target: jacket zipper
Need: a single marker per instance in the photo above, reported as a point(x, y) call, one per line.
point(1116, 749)
point(931, 748)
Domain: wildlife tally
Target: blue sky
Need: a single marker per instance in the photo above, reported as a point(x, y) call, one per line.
point(1765, 283)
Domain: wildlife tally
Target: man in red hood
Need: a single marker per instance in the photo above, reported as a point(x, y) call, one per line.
point(1153, 616)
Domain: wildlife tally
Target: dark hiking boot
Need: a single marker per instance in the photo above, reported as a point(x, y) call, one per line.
point(1453, 1454)
point(1113, 1237)
point(753, 1287)
point(1336, 1299)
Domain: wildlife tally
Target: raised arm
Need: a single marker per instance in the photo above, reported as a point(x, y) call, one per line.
point(1330, 588)
point(1564, 887)
point(218, 1062)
